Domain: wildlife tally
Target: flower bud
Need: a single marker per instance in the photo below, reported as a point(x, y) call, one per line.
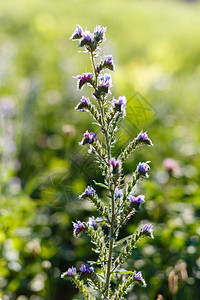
point(119, 104)
point(138, 276)
point(99, 33)
point(136, 201)
point(148, 230)
point(143, 138)
point(88, 138)
point(78, 33)
point(86, 269)
point(83, 79)
point(82, 104)
point(115, 165)
point(78, 227)
point(108, 62)
point(87, 41)
point(142, 169)
point(94, 222)
point(104, 85)
point(89, 191)
point(71, 271)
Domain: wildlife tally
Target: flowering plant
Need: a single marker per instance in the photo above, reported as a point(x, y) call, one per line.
point(104, 230)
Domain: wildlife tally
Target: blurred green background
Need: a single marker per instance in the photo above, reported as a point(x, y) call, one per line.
point(156, 49)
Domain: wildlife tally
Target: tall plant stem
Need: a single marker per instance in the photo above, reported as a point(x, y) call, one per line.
point(111, 187)
point(109, 265)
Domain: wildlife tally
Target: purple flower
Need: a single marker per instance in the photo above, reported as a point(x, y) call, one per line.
point(83, 104)
point(120, 103)
point(94, 222)
point(108, 62)
point(143, 168)
point(138, 276)
point(88, 138)
point(71, 271)
point(84, 78)
point(106, 81)
point(89, 191)
point(79, 226)
point(86, 269)
point(136, 201)
point(87, 35)
point(99, 33)
point(118, 192)
point(85, 101)
point(115, 165)
point(148, 230)
point(143, 137)
point(78, 33)
point(139, 199)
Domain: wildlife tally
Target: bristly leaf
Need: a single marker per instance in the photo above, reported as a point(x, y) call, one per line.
point(101, 184)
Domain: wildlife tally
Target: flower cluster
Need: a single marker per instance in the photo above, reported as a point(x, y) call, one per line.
point(88, 138)
point(143, 138)
point(121, 203)
point(71, 271)
point(89, 191)
point(137, 276)
point(136, 201)
point(143, 168)
point(83, 79)
point(119, 104)
point(88, 39)
point(83, 104)
point(115, 165)
point(148, 230)
point(86, 269)
point(94, 222)
point(78, 227)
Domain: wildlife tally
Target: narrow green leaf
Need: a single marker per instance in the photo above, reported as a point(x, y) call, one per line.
point(101, 184)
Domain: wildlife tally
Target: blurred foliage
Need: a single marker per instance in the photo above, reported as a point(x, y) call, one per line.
point(156, 49)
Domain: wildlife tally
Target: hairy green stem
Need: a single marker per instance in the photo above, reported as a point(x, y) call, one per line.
point(108, 150)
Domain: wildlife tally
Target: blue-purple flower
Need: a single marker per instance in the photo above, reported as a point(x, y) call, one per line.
point(99, 33)
point(86, 269)
point(148, 230)
point(71, 271)
point(108, 62)
point(90, 191)
point(106, 81)
point(118, 192)
point(83, 104)
point(143, 138)
point(78, 33)
point(137, 276)
point(139, 199)
point(115, 165)
point(143, 168)
point(119, 104)
point(88, 40)
point(83, 79)
point(136, 201)
point(94, 222)
point(88, 138)
point(79, 226)
point(87, 35)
